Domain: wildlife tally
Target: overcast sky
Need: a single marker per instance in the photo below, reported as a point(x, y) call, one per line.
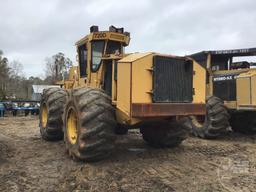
point(32, 30)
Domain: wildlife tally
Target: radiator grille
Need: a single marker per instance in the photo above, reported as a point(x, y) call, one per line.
point(224, 86)
point(172, 79)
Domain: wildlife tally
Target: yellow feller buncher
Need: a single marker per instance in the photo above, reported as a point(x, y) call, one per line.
point(231, 92)
point(110, 90)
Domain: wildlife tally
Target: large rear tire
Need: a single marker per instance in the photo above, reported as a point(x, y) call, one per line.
point(214, 123)
point(89, 124)
point(164, 133)
point(243, 122)
point(51, 111)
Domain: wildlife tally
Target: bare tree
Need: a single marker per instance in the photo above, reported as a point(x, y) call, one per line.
point(16, 69)
point(13, 83)
point(57, 66)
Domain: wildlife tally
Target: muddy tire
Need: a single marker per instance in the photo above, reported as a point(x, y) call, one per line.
point(51, 113)
point(243, 122)
point(164, 133)
point(214, 123)
point(91, 136)
point(121, 129)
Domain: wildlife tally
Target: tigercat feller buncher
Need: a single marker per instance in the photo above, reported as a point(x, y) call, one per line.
point(231, 93)
point(112, 89)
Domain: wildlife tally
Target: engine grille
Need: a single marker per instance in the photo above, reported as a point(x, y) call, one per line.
point(172, 80)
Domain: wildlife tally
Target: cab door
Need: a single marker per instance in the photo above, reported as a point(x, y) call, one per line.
point(95, 62)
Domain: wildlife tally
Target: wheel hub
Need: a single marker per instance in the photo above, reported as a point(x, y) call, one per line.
point(44, 115)
point(72, 126)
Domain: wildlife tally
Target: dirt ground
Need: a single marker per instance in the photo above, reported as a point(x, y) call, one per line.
point(28, 163)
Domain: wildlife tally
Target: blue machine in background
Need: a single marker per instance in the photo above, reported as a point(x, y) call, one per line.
point(19, 107)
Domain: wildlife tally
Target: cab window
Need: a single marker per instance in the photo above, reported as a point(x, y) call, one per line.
point(219, 63)
point(97, 52)
point(82, 60)
point(113, 47)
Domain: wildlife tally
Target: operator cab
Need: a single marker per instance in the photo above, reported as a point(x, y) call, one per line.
point(224, 67)
point(226, 59)
point(96, 53)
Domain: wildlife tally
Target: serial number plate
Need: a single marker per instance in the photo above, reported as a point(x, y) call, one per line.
point(225, 78)
point(99, 35)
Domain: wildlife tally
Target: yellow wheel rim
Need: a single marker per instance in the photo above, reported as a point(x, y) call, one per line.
point(44, 115)
point(72, 126)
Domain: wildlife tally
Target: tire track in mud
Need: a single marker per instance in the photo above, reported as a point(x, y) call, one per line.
point(31, 164)
point(181, 169)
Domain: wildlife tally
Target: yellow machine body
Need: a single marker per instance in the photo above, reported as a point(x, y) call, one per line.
point(131, 77)
point(246, 90)
point(135, 85)
point(233, 82)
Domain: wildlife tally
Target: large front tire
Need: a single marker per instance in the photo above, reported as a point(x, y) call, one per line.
point(51, 111)
point(164, 133)
point(89, 123)
point(214, 123)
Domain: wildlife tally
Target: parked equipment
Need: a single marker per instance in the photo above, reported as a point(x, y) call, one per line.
point(231, 91)
point(23, 107)
point(111, 90)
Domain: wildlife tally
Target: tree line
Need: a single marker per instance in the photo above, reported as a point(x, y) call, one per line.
point(15, 85)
